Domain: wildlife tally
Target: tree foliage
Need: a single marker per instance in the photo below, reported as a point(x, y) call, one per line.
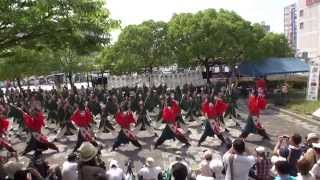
point(54, 23)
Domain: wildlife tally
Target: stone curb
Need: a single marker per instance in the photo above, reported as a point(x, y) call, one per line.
point(295, 115)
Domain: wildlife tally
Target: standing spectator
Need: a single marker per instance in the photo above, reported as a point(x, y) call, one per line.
point(149, 171)
point(115, 172)
point(315, 171)
point(70, 168)
point(304, 170)
point(179, 171)
point(206, 171)
point(283, 170)
point(284, 93)
point(88, 168)
point(263, 164)
point(313, 154)
point(290, 149)
point(310, 139)
point(236, 162)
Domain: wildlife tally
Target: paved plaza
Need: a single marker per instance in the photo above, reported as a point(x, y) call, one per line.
point(275, 123)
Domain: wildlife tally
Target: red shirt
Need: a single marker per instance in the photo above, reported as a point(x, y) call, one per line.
point(125, 119)
point(261, 83)
point(220, 106)
point(211, 112)
point(34, 123)
point(168, 115)
point(82, 118)
point(4, 124)
point(256, 104)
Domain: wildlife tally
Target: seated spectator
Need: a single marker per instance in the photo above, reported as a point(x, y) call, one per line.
point(70, 168)
point(179, 171)
point(115, 172)
point(149, 171)
point(263, 164)
point(236, 162)
point(283, 170)
point(290, 149)
point(304, 168)
point(88, 168)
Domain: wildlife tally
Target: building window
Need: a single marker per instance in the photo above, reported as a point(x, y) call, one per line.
point(301, 25)
point(301, 13)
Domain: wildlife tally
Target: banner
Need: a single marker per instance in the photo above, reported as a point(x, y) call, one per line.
point(313, 84)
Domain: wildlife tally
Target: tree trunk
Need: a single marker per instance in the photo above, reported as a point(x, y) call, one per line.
point(19, 85)
point(206, 64)
point(70, 79)
point(88, 82)
point(102, 78)
point(149, 78)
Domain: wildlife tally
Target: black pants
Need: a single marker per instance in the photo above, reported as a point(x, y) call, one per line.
point(260, 131)
point(34, 144)
point(209, 132)
point(81, 140)
point(168, 134)
point(143, 120)
point(105, 124)
point(123, 139)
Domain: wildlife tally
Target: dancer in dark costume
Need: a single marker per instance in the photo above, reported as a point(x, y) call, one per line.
point(212, 124)
point(35, 121)
point(171, 131)
point(256, 103)
point(82, 118)
point(125, 119)
point(66, 126)
point(231, 99)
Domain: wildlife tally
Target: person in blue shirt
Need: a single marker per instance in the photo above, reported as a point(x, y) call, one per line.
point(283, 169)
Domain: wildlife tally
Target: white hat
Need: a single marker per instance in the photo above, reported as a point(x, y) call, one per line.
point(113, 163)
point(11, 167)
point(316, 145)
point(87, 152)
point(149, 161)
point(275, 159)
point(260, 149)
point(312, 136)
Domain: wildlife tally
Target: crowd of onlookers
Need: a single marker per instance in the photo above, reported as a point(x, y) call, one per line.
point(292, 158)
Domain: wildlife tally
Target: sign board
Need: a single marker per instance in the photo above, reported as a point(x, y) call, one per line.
point(313, 84)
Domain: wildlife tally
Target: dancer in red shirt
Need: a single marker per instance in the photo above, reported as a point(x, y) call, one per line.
point(35, 121)
point(125, 119)
point(171, 131)
point(82, 118)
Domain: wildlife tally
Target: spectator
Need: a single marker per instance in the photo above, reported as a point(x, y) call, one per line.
point(304, 170)
point(290, 149)
point(149, 171)
point(283, 170)
point(315, 171)
point(210, 168)
point(310, 139)
point(179, 171)
point(70, 168)
point(115, 172)
point(263, 164)
point(236, 162)
point(88, 168)
point(312, 155)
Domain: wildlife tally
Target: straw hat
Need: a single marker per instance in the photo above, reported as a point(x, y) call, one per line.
point(11, 167)
point(316, 145)
point(260, 149)
point(113, 163)
point(87, 152)
point(312, 136)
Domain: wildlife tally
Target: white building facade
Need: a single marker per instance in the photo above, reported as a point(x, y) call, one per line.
point(290, 25)
point(308, 25)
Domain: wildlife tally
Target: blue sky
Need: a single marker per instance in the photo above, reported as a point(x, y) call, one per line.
point(137, 11)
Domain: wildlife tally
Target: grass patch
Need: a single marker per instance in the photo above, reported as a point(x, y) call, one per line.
point(302, 106)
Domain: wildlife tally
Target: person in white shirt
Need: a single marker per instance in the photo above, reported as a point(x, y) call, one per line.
point(70, 168)
point(237, 164)
point(210, 169)
point(304, 168)
point(149, 171)
point(115, 172)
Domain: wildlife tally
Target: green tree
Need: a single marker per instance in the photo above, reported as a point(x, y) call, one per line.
point(275, 45)
point(23, 63)
point(54, 23)
point(142, 47)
